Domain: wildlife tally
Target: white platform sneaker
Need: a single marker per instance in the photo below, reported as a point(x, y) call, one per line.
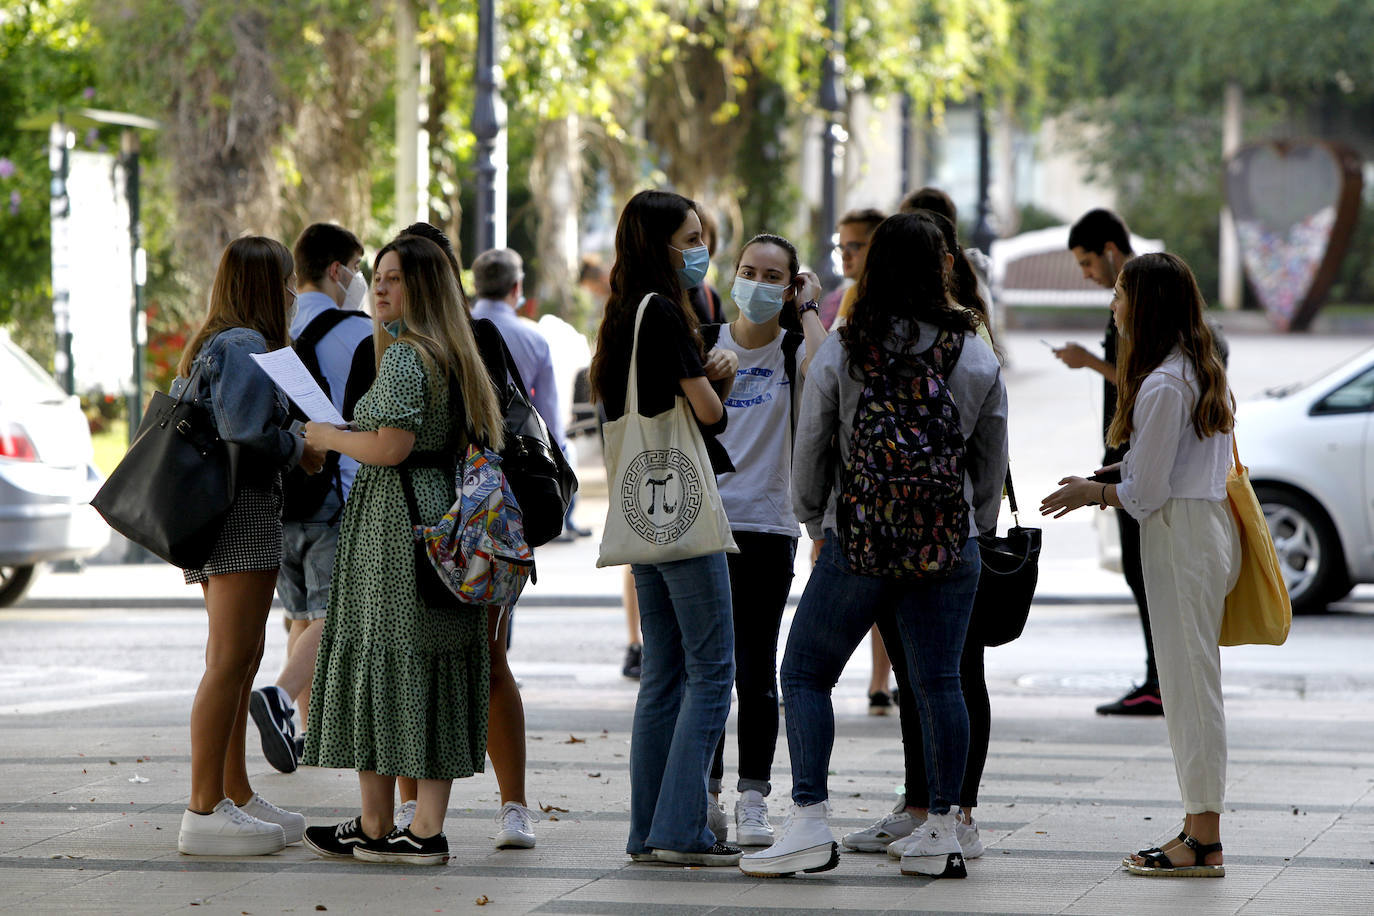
point(934, 850)
point(227, 831)
point(967, 835)
point(806, 845)
point(751, 820)
point(877, 836)
point(292, 824)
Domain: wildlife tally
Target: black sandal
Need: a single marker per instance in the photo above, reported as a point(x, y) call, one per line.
point(1158, 865)
point(1152, 851)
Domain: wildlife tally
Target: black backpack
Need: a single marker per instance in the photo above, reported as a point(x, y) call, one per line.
point(539, 475)
point(304, 493)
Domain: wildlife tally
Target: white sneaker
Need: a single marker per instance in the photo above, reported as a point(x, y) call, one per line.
point(227, 831)
point(517, 827)
point(935, 852)
point(966, 834)
point(291, 823)
point(717, 820)
point(877, 835)
point(403, 816)
point(751, 820)
point(806, 845)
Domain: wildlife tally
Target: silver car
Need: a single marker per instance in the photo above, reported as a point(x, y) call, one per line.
point(46, 477)
point(1310, 450)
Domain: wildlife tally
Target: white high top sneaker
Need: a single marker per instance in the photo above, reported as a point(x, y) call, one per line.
point(751, 820)
point(934, 850)
point(806, 845)
point(967, 834)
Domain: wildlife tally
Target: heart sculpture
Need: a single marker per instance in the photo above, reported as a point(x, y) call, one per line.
point(1295, 203)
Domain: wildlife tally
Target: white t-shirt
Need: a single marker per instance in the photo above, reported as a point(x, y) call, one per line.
point(758, 493)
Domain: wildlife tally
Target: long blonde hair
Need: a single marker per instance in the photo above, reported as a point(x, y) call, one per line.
point(1163, 311)
point(436, 324)
point(249, 292)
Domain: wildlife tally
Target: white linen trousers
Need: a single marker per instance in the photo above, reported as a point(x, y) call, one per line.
point(1190, 549)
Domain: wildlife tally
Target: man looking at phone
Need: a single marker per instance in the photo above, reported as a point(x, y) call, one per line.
point(1101, 244)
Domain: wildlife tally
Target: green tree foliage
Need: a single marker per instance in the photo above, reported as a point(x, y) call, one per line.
point(43, 67)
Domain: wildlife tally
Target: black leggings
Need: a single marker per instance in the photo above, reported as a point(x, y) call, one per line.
point(975, 687)
point(760, 578)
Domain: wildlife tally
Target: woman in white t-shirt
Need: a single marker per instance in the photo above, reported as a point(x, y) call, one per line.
point(775, 299)
point(1174, 407)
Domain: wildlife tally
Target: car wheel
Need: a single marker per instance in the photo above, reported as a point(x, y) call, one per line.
point(1309, 553)
point(14, 583)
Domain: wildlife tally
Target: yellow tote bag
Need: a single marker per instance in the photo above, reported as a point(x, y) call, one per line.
point(1257, 609)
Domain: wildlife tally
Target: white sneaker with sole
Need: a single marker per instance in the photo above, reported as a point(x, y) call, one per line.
point(227, 831)
point(806, 845)
point(404, 815)
point(751, 820)
point(935, 852)
point(878, 835)
point(967, 834)
point(517, 827)
point(717, 820)
point(291, 823)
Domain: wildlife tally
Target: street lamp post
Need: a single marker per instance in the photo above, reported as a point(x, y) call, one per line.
point(129, 153)
point(488, 125)
point(833, 137)
point(983, 235)
point(60, 141)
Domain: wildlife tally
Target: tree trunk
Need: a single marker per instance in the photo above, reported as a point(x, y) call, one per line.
point(556, 180)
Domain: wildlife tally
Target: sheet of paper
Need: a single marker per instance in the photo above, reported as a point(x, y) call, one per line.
point(286, 369)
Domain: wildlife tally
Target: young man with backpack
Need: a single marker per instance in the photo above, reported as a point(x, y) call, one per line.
point(916, 408)
point(334, 340)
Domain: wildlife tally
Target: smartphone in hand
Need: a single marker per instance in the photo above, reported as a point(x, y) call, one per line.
point(1109, 476)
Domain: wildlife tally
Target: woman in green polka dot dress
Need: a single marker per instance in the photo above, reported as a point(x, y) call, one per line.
point(400, 688)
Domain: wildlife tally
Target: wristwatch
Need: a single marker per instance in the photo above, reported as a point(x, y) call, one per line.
point(812, 306)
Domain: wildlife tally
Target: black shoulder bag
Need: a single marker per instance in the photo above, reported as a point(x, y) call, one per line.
point(1011, 568)
point(173, 489)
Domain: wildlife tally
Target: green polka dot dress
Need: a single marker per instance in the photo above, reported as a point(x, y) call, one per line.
point(400, 689)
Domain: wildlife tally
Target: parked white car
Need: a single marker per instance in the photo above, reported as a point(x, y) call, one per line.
point(1310, 450)
point(46, 477)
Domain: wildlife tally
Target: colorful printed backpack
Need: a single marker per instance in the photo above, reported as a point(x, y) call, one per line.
point(901, 512)
point(478, 548)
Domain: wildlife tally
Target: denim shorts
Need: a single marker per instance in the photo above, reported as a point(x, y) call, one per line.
point(307, 562)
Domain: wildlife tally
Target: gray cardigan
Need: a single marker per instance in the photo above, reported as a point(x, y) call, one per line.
point(831, 398)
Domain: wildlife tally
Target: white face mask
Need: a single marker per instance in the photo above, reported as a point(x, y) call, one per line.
point(355, 291)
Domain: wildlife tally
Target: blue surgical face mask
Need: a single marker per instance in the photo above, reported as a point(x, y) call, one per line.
point(759, 302)
point(694, 264)
point(395, 328)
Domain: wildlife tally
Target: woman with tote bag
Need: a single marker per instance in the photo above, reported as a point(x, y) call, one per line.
point(254, 288)
point(1174, 408)
point(665, 518)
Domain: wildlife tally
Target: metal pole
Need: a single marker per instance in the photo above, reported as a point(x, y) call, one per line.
point(983, 235)
point(488, 126)
point(139, 271)
point(60, 140)
point(832, 143)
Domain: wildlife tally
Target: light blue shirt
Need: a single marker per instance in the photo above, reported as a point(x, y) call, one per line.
point(335, 353)
point(530, 350)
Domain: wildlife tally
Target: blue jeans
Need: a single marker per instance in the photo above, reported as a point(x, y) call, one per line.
point(684, 700)
point(835, 612)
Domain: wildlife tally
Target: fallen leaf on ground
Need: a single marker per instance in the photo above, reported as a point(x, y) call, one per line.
point(593, 775)
point(482, 900)
point(547, 808)
point(573, 739)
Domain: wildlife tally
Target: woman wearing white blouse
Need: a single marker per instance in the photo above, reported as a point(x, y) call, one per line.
point(1174, 408)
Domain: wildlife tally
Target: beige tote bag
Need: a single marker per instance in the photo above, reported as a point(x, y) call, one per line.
point(664, 504)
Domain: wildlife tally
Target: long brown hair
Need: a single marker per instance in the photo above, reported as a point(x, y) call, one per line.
point(903, 280)
point(435, 324)
point(1163, 311)
point(249, 292)
point(641, 267)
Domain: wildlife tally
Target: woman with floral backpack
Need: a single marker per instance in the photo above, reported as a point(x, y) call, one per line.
point(915, 403)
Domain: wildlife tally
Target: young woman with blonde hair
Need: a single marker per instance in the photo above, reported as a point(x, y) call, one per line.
point(1174, 408)
point(401, 688)
point(253, 290)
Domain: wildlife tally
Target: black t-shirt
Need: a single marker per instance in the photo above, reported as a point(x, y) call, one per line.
point(668, 353)
point(1112, 454)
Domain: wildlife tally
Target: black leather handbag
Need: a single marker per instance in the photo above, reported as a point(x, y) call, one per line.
point(173, 489)
point(540, 477)
point(1011, 568)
